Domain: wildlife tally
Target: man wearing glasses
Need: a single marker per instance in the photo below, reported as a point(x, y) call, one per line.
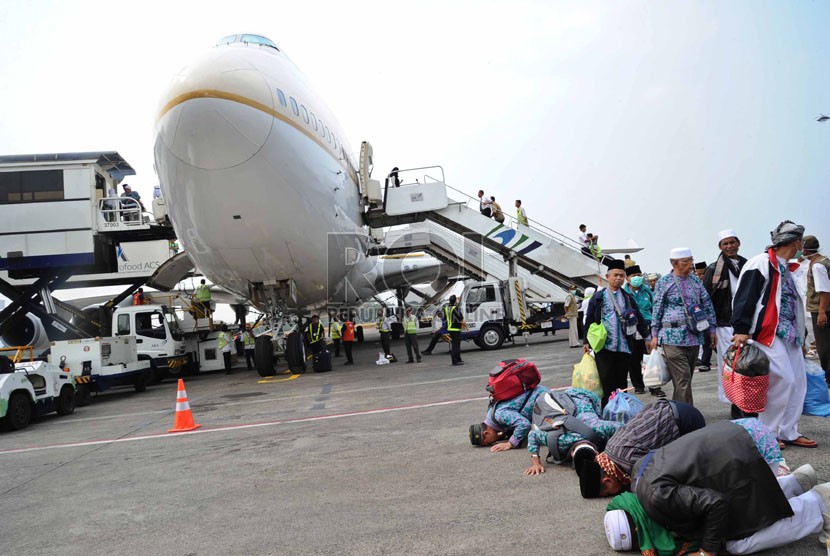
point(681, 316)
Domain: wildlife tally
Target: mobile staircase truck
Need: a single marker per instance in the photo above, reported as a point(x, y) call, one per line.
point(31, 389)
point(98, 364)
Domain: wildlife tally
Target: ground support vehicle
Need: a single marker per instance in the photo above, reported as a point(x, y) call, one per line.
point(98, 364)
point(31, 389)
point(498, 311)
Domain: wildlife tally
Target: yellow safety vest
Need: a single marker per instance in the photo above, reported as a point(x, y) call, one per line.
point(203, 292)
point(380, 325)
point(248, 340)
point(334, 330)
point(521, 217)
point(314, 337)
point(224, 340)
point(451, 326)
point(410, 324)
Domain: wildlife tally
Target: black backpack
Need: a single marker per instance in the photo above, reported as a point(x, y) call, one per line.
point(555, 413)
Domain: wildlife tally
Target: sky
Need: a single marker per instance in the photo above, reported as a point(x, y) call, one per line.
point(661, 122)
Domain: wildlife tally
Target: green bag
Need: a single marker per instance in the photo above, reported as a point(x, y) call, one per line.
point(597, 334)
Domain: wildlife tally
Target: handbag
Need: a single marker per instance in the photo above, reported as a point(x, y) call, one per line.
point(597, 335)
point(749, 393)
point(621, 407)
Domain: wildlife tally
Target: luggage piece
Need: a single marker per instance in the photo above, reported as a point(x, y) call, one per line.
point(555, 413)
point(512, 377)
point(321, 362)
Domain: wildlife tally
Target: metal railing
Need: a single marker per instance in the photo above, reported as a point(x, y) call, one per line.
point(121, 210)
point(19, 352)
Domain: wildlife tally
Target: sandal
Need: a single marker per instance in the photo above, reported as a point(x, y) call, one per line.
point(801, 442)
point(781, 445)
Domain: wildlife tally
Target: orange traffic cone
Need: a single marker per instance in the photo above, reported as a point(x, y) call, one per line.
point(184, 418)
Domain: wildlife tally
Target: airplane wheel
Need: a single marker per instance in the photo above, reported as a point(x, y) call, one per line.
point(18, 412)
point(294, 355)
point(264, 359)
point(66, 401)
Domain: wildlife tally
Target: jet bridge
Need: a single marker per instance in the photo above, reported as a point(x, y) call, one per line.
point(423, 197)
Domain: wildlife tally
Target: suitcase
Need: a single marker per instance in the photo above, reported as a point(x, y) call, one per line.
point(321, 362)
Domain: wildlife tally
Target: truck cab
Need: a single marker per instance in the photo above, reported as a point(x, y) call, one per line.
point(499, 310)
point(158, 335)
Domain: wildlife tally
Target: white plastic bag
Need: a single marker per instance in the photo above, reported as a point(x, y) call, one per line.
point(655, 370)
point(382, 360)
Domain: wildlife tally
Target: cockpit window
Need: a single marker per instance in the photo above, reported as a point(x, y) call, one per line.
point(248, 39)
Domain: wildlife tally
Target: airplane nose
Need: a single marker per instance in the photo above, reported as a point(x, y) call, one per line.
point(215, 114)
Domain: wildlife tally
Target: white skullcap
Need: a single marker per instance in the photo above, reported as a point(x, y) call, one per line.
point(723, 234)
point(589, 292)
point(680, 253)
point(617, 530)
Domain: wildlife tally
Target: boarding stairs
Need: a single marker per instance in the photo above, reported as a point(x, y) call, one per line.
point(423, 197)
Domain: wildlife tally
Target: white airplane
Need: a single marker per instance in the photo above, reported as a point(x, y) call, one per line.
point(261, 186)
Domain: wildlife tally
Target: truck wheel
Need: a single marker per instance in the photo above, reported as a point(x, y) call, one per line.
point(82, 395)
point(140, 385)
point(490, 337)
point(18, 413)
point(66, 401)
point(264, 356)
point(153, 375)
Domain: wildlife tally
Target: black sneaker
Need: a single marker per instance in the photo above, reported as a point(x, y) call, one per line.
point(704, 369)
point(639, 390)
point(426, 353)
point(458, 363)
point(657, 392)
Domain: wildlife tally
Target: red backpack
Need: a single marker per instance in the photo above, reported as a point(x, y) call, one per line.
point(512, 377)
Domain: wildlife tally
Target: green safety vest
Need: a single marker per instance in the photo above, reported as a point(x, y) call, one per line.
point(410, 324)
point(451, 326)
point(248, 339)
point(521, 217)
point(314, 336)
point(380, 325)
point(334, 330)
point(223, 340)
point(203, 292)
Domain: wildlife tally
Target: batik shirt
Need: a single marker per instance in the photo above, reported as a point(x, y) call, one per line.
point(763, 438)
point(616, 335)
point(787, 328)
point(670, 307)
point(516, 414)
point(588, 411)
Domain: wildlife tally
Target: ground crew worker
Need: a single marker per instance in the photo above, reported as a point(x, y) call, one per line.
point(437, 331)
point(249, 340)
point(455, 321)
point(335, 332)
point(138, 297)
point(521, 215)
point(410, 329)
point(225, 347)
point(348, 339)
point(314, 335)
point(384, 325)
point(203, 297)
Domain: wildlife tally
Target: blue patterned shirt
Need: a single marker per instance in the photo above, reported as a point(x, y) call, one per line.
point(616, 335)
point(588, 411)
point(508, 415)
point(671, 306)
point(787, 328)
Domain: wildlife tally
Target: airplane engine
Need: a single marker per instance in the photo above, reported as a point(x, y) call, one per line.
point(439, 283)
point(24, 330)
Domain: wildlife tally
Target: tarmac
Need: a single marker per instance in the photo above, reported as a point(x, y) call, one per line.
point(366, 459)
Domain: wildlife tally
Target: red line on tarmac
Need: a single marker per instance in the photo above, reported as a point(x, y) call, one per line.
point(238, 427)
